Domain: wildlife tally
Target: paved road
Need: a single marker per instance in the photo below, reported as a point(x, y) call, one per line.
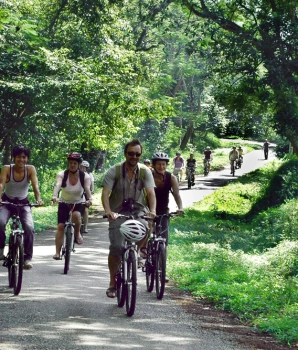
point(71, 312)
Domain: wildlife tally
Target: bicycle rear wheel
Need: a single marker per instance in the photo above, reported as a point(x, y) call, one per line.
point(149, 266)
point(160, 272)
point(17, 265)
point(120, 287)
point(189, 180)
point(68, 247)
point(131, 296)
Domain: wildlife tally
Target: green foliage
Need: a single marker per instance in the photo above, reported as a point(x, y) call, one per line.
point(246, 264)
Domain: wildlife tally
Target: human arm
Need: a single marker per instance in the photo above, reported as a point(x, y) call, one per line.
point(3, 178)
point(106, 191)
point(57, 188)
point(87, 185)
point(34, 182)
point(176, 194)
point(151, 201)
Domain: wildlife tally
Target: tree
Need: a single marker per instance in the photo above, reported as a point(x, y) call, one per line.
point(255, 48)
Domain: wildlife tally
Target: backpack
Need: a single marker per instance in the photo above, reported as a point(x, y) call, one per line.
point(65, 176)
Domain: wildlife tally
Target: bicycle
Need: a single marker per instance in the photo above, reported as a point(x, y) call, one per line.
point(69, 240)
point(239, 162)
point(233, 167)
point(155, 265)
point(14, 259)
point(206, 166)
point(126, 276)
point(191, 176)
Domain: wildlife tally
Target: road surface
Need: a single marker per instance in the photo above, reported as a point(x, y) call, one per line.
point(71, 312)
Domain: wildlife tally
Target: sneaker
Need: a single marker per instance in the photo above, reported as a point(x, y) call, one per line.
point(27, 265)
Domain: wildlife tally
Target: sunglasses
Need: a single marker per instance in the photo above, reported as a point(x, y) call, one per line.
point(131, 154)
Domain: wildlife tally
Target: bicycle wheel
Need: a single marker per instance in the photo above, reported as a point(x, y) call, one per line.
point(17, 265)
point(9, 263)
point(189, 180)
point(233, 169)
point(149, 265)
point(120, 287)
point(68, 247)
point(160, 272)
point(131, 295)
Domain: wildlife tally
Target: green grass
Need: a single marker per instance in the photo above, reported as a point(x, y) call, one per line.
point(238, 248)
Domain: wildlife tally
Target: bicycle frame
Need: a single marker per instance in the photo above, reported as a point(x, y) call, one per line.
point(15, 257)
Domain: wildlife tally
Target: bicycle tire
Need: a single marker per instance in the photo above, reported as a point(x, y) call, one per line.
point(189, 181)
point(233, 170)
point(160, 272)
point(149, 265)
point(131, 296)
point(9, 262)
point(68, 247)
point(18, 265)
point(120, 287)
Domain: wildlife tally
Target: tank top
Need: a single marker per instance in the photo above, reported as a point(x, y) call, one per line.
point(17, 189)
point(71, 193)
point(162, 195)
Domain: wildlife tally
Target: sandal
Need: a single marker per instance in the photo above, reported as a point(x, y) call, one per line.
point(56, 257)
point(111, 292)
point(79, 240)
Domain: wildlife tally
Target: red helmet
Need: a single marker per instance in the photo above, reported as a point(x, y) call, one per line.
point(75, 156)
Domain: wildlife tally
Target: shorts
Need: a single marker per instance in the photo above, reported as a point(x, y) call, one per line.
point(64, 208)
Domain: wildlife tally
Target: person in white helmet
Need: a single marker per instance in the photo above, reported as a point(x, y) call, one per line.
point(85, 166)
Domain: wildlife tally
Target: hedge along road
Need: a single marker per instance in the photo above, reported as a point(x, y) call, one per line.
point(57, 311)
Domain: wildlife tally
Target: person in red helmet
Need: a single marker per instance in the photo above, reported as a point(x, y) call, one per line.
point(72, 182)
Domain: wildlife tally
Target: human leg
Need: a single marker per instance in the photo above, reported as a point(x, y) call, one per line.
point(28, 227)
point(86, 219)
point(76, 219)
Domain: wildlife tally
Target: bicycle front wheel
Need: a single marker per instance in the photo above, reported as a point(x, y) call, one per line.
point(68, 247)
point(17, 265)
point(160, 272)
point(120, 287)
point(131, 296)
point(189, 181)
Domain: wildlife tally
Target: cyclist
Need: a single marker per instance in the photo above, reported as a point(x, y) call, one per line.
point(72, 182)
point(85, 166)
point(165, 182)
point(15, 178)
point(207, 157)
point(148, 163)
point(190, 163)
point(240, 153)
point(266, 148)
point(233, 155)
point(178, 163)
point(132, 193)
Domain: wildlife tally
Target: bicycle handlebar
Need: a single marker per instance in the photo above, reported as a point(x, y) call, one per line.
point(144, 216)
point(20, 204)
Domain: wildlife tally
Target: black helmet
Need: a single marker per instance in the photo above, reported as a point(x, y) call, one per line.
point(160, 156)
point(75, 156)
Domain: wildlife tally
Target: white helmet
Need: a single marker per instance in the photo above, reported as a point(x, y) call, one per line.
point(85, 163)
point(133, 230)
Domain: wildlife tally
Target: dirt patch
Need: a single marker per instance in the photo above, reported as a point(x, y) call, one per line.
point(211, 319)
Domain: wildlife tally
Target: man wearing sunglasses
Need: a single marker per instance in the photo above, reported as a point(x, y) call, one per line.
point(131, 192)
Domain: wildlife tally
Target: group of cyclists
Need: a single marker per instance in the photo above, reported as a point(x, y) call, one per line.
point(129, 188)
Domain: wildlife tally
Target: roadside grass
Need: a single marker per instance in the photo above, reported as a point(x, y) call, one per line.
point(238, 248)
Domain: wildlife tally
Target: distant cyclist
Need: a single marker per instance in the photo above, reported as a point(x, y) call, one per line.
point(178, 163)
point(233, 155)
point(240, 153)
point(266, 148)
point(207, 156)
point(148, 163)
point(190, 163)
point(85, 166)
